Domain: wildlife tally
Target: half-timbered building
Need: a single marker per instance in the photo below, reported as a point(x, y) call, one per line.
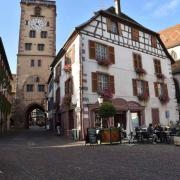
point(113, 56)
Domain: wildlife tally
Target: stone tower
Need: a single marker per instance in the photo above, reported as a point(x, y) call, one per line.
point(37, 49)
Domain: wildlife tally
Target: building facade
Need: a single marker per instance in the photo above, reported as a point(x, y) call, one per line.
point(37, 48)
point(114, 57)
point(171, 39)
point(5, 91)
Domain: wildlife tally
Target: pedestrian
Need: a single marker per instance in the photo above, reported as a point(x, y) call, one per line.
point(58, 127)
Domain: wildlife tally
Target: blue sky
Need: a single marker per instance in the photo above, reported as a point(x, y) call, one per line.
point(154, 14)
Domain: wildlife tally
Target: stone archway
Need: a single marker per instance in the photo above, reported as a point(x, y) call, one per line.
point(28, 114)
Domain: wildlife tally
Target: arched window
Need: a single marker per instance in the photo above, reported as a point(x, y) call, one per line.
point(174, 55)
point(37, 11)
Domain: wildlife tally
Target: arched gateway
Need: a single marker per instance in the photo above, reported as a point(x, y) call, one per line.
point(35, 115)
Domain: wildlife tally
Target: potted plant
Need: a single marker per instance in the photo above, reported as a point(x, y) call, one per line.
point(108, 135)
point(177, 136)
point(140, 71)
point(106, 94)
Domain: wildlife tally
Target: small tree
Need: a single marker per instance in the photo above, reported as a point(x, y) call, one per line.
point(107, 110)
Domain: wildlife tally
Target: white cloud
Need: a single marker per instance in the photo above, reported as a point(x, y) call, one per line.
point(167, 8)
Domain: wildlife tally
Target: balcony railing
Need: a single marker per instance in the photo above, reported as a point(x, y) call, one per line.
point(39, 2)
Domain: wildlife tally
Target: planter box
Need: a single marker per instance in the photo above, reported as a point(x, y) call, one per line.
point(177, 140)
point(110, 135)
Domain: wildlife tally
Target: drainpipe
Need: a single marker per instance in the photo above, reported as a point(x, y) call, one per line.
point(81, 89)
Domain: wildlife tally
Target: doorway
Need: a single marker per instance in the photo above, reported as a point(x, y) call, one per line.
point(120, 118)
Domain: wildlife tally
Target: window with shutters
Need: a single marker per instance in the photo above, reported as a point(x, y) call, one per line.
point(153, 41)
point(69, 59)
point(135, 34)
point(157, 68)
point(103, 84)
point(138, 64)
point(114, 27)
point(69, 87)
point(103, 54)
point(141, 89)
point(57, 73)
point(161, 91)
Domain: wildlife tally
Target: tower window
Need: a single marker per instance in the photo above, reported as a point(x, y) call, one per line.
point(28, 46)
point(41, 88)
point(27, 22)
point(48, 24)
point(43, 34)
point(41, 47)
point(32, 34)
point(37, 11)
point(32, 63)
point(29, 88)
point(39, 63)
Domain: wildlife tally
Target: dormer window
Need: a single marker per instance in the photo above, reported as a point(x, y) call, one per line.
point(114, 27)
point(135, 34)
point(37, 11)
point(153, 42)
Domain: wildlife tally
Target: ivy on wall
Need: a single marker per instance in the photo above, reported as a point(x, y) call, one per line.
point(5, 105)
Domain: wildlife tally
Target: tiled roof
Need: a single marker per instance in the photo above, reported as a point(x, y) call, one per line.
point(176, 67)
point(171, 36)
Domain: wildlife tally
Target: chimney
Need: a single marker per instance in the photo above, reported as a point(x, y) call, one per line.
point(117, 6)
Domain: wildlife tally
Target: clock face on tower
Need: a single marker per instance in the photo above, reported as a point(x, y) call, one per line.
point(37, 24)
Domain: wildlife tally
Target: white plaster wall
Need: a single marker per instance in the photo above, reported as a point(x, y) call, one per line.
point(123, 71)
point(177, 50)
point(74, 74)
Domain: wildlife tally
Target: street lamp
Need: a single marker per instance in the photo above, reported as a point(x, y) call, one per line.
point(100, 100)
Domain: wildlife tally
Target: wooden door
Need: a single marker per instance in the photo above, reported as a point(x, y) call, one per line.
point(71, 120)
point(155, 116)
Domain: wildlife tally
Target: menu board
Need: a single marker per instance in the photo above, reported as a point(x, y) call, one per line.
point(92, 136)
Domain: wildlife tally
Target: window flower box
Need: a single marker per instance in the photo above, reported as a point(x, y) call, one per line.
point(163, 99)
point(67, 68)
point(104, 62)
point(67, 100)
point(160, 76)
point(106, 94)
point(140, 71)
point(143, 97)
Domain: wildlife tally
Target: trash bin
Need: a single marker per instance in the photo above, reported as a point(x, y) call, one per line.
point(75, 134)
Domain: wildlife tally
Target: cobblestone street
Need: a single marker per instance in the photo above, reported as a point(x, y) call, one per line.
point(39, 155)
